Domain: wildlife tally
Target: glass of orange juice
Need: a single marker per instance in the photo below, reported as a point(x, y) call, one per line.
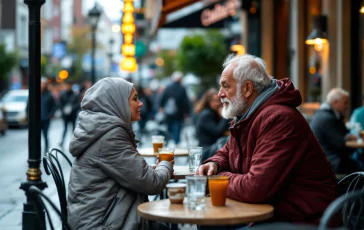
point(166, 154)
point(218, 187)
point(158, 142)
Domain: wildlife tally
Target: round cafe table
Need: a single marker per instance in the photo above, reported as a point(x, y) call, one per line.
point(233, 213)
point(149, 152)
point(355, 144)
point(180, 172)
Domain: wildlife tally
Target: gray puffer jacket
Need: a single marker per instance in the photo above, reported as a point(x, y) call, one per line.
point(109, 178)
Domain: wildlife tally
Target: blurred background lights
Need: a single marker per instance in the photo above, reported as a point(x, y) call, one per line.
point(63, 74)
point(159, 62)
point(115, 28)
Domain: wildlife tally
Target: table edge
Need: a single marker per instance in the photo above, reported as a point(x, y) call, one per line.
point(209, 222)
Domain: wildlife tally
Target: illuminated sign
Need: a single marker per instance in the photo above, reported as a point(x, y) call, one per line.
point(219, 12)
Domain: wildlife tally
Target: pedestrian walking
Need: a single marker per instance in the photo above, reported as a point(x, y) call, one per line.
point(48, 108)
point(70, 105)
point(175, 105)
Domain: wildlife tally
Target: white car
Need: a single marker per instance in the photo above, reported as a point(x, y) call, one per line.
point(14, 103)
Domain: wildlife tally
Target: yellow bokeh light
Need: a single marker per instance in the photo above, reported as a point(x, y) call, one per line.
point(128, 49)
point(128, 39)
point(128, 64)
point(63, 74)
point(312, 70)
point(362, 10)
point(128, 28)
point(159, 61)
point(128, 18)
point(239, 49)
point(115, 28)
point(316, 41)
point(128, 7)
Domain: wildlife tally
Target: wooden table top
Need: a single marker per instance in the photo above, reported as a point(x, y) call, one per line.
point(355, 144)
point(149, 152)
point(180, 172)
point(233, 213)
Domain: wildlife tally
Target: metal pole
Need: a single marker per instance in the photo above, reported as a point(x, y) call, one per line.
point(93, 77)
point(30, 220)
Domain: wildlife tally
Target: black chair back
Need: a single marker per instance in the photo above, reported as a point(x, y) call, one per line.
point(52, 166)
point(40, 207)
point(352, 182)
point(352, 206)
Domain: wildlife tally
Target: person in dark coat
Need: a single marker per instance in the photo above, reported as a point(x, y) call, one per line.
point(48, 108)
point(146, 110)
point(70, 106)
point(272, 156)
point(175, 105)
point(329, 128)
point(210, 126)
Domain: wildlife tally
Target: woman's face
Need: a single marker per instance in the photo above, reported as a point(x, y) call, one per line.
point(215, 103)
point(135, 105)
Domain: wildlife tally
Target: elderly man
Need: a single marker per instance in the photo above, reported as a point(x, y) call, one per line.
point(329, 128)
point(272, 156)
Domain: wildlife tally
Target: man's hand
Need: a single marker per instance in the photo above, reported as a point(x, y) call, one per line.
point(350, 137)
point(208, 169)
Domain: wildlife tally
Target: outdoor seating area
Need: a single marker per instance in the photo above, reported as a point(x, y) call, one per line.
point(180, 215)
point(182, 115)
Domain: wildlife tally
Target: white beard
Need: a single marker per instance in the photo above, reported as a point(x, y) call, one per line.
point(234, 108)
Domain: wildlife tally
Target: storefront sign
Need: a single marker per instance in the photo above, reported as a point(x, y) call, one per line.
point(219, 12)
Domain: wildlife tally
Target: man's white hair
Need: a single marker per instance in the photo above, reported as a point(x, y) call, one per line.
point(336, 94)
point(249, 67)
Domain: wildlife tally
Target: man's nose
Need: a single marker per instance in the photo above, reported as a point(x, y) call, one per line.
point(221, 93)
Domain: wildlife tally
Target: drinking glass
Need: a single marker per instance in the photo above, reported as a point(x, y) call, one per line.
point(158, 142)
point(194, 158)
point(166, 154)
point(218, 186)
point(196, 187)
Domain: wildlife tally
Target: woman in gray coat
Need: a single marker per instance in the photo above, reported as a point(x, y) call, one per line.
point(109, 178)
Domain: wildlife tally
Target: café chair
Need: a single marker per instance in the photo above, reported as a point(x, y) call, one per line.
point(41, 208)
point(351, 206)
point(352, 182)
point(52, 166)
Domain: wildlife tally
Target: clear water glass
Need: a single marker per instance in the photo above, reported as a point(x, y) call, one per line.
point(194, 158)
point(196, 188)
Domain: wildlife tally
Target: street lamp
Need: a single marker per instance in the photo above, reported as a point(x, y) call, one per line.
point(30, 219)
point(93, 16)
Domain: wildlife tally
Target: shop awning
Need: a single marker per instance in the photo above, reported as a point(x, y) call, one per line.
point(204, 13)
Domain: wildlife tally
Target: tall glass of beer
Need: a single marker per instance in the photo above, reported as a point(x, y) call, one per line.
point(158, 142)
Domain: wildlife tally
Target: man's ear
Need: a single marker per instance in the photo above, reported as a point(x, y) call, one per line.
point(247, 89)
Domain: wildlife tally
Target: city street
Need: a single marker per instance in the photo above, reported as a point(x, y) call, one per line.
point(13, 166)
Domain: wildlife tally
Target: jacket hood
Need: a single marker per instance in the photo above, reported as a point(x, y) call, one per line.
point(286, 95)
point(105, 106)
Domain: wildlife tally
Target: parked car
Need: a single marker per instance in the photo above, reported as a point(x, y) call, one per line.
point(14, 103)
point(3, 123)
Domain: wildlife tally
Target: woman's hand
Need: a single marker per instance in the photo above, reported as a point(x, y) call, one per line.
point(157, 162)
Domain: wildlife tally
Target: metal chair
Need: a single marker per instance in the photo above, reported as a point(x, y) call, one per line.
point(352, 182)
point(40, 207)
point(53, 167)
point(352, 206)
